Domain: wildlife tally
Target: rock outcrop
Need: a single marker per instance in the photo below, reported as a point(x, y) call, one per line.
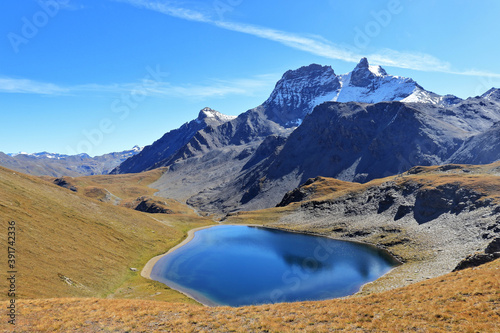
point(154, 206)
point(431, 218)
point(491, 253)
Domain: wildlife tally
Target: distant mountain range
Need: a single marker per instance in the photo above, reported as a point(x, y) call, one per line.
point(357, 126)
point(57, 165)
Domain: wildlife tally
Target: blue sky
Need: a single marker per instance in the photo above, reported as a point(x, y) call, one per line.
point(98, 76)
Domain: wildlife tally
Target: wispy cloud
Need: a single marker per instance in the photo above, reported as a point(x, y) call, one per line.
point(316, 45)
point(216, 88)
point(212, 88)
point(26, 86)
point(169, 8)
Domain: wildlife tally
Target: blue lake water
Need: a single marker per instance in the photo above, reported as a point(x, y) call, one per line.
point(242, 265)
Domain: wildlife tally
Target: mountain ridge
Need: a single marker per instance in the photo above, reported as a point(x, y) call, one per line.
point(156, 154)
point(57, 165)
point(224, 168)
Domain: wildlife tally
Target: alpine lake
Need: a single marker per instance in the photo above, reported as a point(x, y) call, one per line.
point(244, 265)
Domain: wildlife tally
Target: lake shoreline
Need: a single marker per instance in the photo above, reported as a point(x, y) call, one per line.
point(147, 269)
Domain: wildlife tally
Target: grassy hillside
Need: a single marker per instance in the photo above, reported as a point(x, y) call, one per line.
point(465, 301)
point(75, 251)
point(70, 245)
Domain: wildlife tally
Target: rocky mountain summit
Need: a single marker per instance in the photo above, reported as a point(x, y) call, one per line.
point(157, 154)
point(299, 91)
point(492, 95)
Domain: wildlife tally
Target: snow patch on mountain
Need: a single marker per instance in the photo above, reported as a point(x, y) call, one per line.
point(420, 95)
point(213, 115)
point(384, 88)
point(40, 155)
point(377, 70)
point(55, 156)
point(19, 153)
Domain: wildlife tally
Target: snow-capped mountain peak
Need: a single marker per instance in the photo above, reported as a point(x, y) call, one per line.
point(299, 87)
point(136, 148)
point(15, 154)
point(300, 91)
point(364, 75)
point(208, 113)
point(39, 155)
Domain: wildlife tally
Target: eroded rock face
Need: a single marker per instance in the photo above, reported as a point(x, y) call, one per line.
point(296, 93)
point(296, 195)
point(493, 247)
point(416, 200)
point(149, 205)
point(482, 148)
point(491, 253)
point(430, 203)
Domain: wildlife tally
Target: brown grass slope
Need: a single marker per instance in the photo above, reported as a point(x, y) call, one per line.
point(123, 186)
point(123, 190)
point(70, 245)
point(465, 301)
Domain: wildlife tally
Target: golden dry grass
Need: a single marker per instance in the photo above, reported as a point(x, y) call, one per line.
point(93, 244)
point(465, 301)
point(123, 186)
point(70, 245)
point(123, 189)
